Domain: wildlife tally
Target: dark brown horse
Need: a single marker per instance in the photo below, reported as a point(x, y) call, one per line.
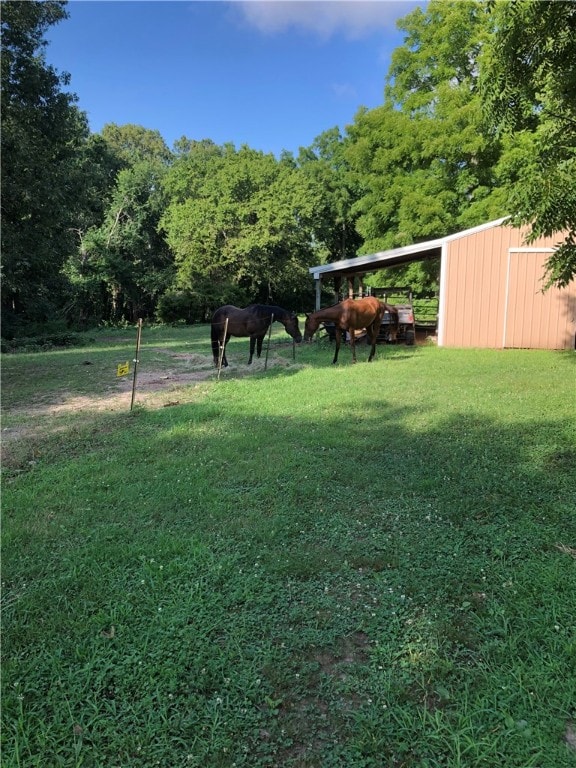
point(252, 321)
point(350, 315)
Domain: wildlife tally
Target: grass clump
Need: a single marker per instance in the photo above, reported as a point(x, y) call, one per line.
point(311, 566)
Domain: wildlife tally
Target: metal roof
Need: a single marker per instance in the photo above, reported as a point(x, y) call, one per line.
point(415, 252)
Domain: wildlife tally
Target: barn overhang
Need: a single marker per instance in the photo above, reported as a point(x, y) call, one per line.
point(375, 261)
point(362, 265)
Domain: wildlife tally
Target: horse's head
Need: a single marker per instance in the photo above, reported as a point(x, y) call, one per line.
point(292, 327)
point(310, 327)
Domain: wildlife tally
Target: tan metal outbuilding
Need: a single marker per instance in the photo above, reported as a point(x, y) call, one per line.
point(491, 288)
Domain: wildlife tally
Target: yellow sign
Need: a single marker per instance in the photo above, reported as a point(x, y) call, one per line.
point(123, 369)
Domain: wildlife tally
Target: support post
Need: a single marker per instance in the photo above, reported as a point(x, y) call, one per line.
point(136, 361)
point(318, 293)
point(337, 286)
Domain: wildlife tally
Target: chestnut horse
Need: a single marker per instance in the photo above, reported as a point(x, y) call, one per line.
point(351, 315)
point(252, 321)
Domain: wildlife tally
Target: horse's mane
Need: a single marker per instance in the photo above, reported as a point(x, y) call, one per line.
point(265, 310)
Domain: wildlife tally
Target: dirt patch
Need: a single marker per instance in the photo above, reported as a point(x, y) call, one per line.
point(118, 396)
point(312, 725)
point(167, 384)
point(156, 388)
point(156, 381)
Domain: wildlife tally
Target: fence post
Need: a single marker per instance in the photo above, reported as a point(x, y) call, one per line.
point(222, 348)
point(136, 361)
point(268, 345)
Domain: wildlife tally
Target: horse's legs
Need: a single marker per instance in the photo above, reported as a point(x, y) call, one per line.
point(259, 341)
point(215, 343)
point(221, 351)
point(353, 344)
point(256, 341)
point(252, 345)
point(338, 334)
point(373, 334)
point(225, 340)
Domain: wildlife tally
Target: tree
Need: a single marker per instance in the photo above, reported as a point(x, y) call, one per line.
point(124, 264)
point(325, 165)
point(133, 143)
point(424, 164)
point(426, 159)
point(239, 223)
point(43, 136)
point(529, 85)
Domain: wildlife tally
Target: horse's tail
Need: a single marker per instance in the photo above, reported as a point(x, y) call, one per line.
point(215, 344)
point(215, 334)
point(390, 308)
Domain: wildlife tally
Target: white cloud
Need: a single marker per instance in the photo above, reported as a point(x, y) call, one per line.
point(344, 91)
point(354, 18)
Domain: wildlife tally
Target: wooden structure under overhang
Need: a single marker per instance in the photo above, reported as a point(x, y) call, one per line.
point(491, 287)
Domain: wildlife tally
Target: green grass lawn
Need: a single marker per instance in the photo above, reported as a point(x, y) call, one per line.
point(309, 566)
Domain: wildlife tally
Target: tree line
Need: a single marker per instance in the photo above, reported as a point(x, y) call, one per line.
point(478, 120)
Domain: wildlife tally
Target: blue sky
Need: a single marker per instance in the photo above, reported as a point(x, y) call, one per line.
point(273, 75)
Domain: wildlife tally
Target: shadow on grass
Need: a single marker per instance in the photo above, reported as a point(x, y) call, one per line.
point(320, 352)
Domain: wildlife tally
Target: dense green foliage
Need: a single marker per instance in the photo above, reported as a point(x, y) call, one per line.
point(239, 222)
point(478, 121)
point(425, 165)
point(326, 163)
point(331, 567)
point(530, 95)
point(125, 261)
point(43, 137)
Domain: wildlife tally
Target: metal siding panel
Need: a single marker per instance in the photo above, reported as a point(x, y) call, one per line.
point(516, 288)
point(480, 254)
point(456, 318)
point(466, 296)
point(473, 284)
point(476, 308)
point(538, 320)
point(473, 288)
point(488, 255)
point(542, 327)
point(504, 236)
point(442, 297)
point(450, 298)
point(459, 277)
point(482, 272)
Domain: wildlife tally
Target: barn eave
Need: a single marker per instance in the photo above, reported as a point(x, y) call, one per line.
point(395, 256)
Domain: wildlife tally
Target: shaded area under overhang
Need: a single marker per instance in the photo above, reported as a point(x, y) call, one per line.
point(348, 269)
